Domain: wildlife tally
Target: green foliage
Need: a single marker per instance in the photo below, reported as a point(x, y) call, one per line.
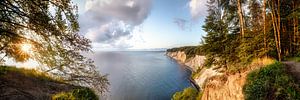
point(76, 94)
point(200, 94)
point(63, 96)
point(251, 48)
point(196, 73)
point(298, 54)
point(296, 59)
point(190, 51)
point(221, 40)
point(271, 82)
point(3, 70)
point(209, 61)
point(225, 46)
point(51, 28)
point(189, 93)
point(53, 34)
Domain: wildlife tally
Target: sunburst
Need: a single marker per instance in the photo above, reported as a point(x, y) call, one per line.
point(26, 48)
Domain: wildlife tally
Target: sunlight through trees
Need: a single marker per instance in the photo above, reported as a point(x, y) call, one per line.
point(50, 27)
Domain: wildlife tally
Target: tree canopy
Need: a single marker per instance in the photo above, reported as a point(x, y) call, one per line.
point(50, 27)
point(240, 30)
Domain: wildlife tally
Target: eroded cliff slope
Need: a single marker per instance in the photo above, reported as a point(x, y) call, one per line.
point(195, 63)
point(216, 84)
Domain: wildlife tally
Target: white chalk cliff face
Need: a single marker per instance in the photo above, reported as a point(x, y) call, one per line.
point(214, 84)
point(195, 63)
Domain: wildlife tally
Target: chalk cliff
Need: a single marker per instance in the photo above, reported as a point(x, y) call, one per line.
point(195, 63)
point(214, 84)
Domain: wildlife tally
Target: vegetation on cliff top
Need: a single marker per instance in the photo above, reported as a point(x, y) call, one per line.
point(239, 31)
point(190, 51)
point(235, 37)
point(271, 82)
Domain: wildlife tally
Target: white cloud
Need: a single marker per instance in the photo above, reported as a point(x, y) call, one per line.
point(130, 3)
point(111, 23)
point(134, 40)
point(198, 8)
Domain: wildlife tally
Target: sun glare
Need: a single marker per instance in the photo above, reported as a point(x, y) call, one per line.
point(26, 47)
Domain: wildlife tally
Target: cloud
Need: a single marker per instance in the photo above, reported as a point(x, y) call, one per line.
point(181, 23)
point(108, 32)
point(111, 22)
point(132, 40)
point(198, 8)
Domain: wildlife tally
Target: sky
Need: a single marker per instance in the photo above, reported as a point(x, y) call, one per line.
point(138, 24)
point(141, 24)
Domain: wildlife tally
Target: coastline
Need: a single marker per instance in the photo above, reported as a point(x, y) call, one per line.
point(192, 81)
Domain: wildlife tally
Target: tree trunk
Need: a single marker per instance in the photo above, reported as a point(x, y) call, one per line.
point(295, 29)
point(278, 30)
point(240, 12)
point(295, 32)
point(275, 34)
point(297, 37)
point(276, 25)
point(264, 18)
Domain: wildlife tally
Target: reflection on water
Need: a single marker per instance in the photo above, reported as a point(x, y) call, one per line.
point(141, 75)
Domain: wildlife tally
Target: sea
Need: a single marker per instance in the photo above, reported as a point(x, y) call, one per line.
point(141, 75)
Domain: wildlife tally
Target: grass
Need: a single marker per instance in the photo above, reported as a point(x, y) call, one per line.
point(29, 73)
point(255, 63)
point(271, 82)
point(263, 61)
point(76, 94)
point(296, 59)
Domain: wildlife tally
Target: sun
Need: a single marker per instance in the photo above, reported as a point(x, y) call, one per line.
point(26, 47)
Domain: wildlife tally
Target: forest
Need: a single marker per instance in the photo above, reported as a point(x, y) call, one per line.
point(240, 30)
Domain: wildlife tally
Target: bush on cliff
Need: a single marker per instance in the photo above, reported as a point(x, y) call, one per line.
point(271, 82)
point(76, 94)
point(189, 93)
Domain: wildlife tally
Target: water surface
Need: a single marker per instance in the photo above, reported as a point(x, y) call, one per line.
point(141, 75)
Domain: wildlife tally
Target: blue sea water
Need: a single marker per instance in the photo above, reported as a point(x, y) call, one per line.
point(141, 75)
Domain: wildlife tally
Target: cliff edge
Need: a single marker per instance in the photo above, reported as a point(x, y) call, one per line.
point(195, 63)
point(216, 84)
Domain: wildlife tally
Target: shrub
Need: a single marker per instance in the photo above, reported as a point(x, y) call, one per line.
point(297, 54)
point(76, 94)
point(63, 96)
point(189, 93)
point(296, 59)
point(271, 82)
